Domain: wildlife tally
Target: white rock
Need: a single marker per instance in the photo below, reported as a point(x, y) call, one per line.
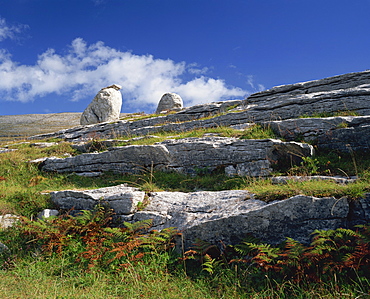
point(105, 107)
point(47, 213)
point(169, 102)
point(8, 220)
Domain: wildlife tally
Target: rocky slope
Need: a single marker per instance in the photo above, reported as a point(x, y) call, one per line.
point(229, 215)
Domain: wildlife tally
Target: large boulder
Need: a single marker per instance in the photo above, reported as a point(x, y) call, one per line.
point(105, 107)
point(169, 102)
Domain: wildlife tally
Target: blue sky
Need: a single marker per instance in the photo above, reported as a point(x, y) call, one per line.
point(55, 55)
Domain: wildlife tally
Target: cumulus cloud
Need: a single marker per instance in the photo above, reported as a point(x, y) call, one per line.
point(84, 69)
point(10, 31)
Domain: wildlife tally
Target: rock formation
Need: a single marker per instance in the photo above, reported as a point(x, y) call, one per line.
point(105, 107)
point(230, 215)
point(224, 215)
point(238, 157)
point(169, 102)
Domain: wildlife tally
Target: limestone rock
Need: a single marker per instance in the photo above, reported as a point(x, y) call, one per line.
point(3, 247)
point(228, 216)
point(122, 199)
point(190, 155)
point(341, 133)
point(47, 213)
point(8, 220)
point(105, 107)
point(170, 102)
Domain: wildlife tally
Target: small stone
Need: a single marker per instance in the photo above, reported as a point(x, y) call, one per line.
point(3, 247)
point(8, 220)
point(47, 213)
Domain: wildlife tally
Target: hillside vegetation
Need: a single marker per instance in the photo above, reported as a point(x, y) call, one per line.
point(85, 257)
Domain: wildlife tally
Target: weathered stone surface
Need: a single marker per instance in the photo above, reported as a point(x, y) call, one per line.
point(6, 150)
point(47, 213)
point(342, 133)
point(170, 102)
point(348, 92)
point(3, 247)
point(189, 155)
point(122, 199)
point(230, 215)
point(185, 120)
point(8, 220)
point(105, 107)
point(43, 144)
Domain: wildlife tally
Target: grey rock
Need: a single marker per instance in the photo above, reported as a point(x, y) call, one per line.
point(184, 120)
point(348, 92)
point(43, 144)
point(90, 174)
point(230, 215)
point(189, 155)
point(105, 107)
point(6, 150)
point(342, 133)
point(122, 199)
point(8, 220)
point(169, 102)
point(3, 247)
point(46, 213)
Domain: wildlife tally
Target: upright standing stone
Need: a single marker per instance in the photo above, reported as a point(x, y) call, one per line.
point(170, 102)
point(106, 106)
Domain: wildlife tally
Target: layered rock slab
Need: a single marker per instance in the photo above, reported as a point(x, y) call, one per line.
point(246, 157)
point(122, 199)
point(227, 216)
point(342, 133)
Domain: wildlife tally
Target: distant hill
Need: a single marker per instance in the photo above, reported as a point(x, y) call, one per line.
point(21, 126)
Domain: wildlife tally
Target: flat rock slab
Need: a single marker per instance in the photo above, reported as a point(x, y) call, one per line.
point(227, 216)
point(342, 133)
point(122, 199)
point(245, 157)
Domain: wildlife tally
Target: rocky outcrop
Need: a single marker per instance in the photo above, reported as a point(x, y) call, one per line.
point(122, 199)
point(187, 119)
point(8, 220)
point(343, 133)
point(348, 92)
point(169, 102)
point(226, 216)
point(189, 155)
point(105, 107)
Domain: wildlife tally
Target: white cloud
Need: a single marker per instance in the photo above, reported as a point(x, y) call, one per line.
point(85, 69)
point(10, 31)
